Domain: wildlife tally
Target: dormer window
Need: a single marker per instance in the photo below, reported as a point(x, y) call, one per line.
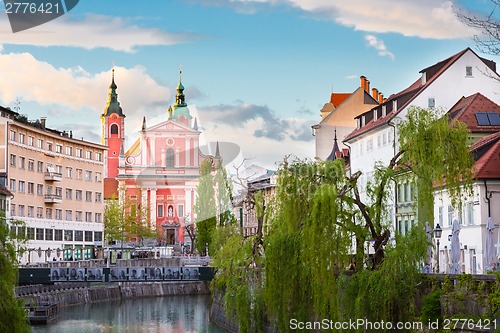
point(395, 105)
point(468, 71)
point(384, 110)
point(358, 122)
point(424, 77)
point(375, 115)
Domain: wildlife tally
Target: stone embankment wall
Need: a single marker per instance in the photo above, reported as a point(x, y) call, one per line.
point(84, 293)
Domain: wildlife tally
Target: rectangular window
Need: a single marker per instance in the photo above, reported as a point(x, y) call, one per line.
point(12, 185)
point(69, 150)
point(58, 214)
point(21, 210)
point(59, 191)
point(79, 152)
point(441, 217)
point(450, 215)
point(98, 197)
point(88, 217)
point(31, 188)
point(30, 233)
point(12, 210)
point(469, 213)
point(40, 143)
point(468, 71)
point(39, 234)
point(22, 186)
point(49, 234)
point(98, 177)
point(31, 211)
point(48, 213)
point(39, 166)
point(98, 157)
point(78, 194)
point(88, 154)
point(88, 196)
point(79, 173)
point(39, 212)
point(69, 172)
point(79, 216)
point(69, 194)
point(160, 211)
point(68, 235)
point(49, 146)
point(88, 175)
point(31, 165)
point(59, 149)
point(98, 217)
point(58, 235)
point(39, 189)
point(88, 236)
point(22, 138)
point(59, 169)
point(78, 235)
point(69, 215)
point(31, 141)
point(431, 102)
point(12, 136)
point(97, 236)
point(180, 210)
point(12, 160)
point(22, 161)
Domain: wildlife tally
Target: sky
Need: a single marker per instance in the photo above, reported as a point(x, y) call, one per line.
point(256, 72)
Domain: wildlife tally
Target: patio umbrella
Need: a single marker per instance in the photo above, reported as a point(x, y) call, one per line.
point(455, 248)
point(489, 247)
point(428, 259)
point(446, 260)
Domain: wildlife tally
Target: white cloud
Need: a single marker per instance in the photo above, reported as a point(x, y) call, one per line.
point(101, 31)
point(424, 18)
point(379, 45)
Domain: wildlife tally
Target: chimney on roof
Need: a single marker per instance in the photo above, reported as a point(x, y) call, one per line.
point(43, 121)
point(375, 94)
point(380, 98)
point(362, 82)
point(367, 86)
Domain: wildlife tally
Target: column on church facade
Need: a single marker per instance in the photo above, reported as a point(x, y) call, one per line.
point(177, 157)
point(163, 162)
point(152, 208)
point(152, 152)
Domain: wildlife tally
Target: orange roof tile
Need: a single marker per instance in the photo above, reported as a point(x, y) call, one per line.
point(338, 98)
point(487, 155)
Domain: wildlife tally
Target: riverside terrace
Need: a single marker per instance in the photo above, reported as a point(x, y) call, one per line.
point(162, 269)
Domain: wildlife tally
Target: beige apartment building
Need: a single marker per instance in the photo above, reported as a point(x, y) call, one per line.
point(56, 183)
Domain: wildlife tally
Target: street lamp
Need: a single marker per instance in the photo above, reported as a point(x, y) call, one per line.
point(437, 234)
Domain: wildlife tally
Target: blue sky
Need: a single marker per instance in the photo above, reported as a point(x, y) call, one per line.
point(256, 72)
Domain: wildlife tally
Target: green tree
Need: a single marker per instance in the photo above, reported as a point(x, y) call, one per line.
point(223, 186)
point(319, 222)
point(12, 315)
point(114, 221)
point(205, 209)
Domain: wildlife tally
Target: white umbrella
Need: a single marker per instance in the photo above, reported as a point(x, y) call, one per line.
point(446, 260)
point(489, 247)
point(455, 248)
point(428, 231)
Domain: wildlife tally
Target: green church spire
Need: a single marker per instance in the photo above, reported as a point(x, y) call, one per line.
point(113, 106)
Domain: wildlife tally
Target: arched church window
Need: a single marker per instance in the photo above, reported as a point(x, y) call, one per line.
point(170, 158)
point(114, 129)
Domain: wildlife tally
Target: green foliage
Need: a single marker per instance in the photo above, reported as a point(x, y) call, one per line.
point(114, 220)
point(12, 315)
point(436, 151)
point(205, 208)
point(318, 223)
point(431, 306)
point(224, 196)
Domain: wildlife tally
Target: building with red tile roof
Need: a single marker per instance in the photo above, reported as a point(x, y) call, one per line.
point(338, 116)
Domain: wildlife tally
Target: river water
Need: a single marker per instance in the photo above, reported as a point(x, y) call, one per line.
point(169, 314)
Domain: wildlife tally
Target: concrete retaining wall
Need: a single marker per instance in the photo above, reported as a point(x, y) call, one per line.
point(98, 293)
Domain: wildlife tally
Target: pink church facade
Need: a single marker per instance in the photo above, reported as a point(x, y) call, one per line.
point(160, 171)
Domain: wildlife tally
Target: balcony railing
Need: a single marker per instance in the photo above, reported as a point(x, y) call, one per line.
point(54, 176)
point(53, 198)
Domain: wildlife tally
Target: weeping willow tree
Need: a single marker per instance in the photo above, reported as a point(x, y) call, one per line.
point(205, 209)
point(12, 315)
point(320, 224)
